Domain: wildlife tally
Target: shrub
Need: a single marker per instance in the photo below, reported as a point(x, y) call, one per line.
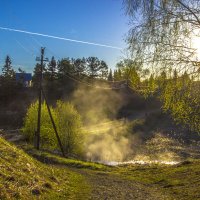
point(47, 134)
point(70, 128)
point(68, 123)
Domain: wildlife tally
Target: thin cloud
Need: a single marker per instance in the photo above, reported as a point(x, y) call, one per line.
point(59, 38)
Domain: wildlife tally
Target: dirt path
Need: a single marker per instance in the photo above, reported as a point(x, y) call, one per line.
point(108, 186)
point(11, 135)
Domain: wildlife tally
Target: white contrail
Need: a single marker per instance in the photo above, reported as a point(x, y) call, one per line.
point(59, 38)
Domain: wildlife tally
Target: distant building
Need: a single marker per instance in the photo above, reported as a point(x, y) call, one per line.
point(24, 78)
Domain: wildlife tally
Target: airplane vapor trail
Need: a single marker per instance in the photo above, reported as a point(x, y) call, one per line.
point(59, 38)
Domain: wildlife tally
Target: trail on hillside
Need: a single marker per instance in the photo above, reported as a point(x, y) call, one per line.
point(128, 182)
point(105, 185)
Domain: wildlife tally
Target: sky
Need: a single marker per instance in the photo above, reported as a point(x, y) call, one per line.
point(96, 21)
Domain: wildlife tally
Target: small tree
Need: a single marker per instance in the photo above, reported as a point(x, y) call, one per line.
point(79, 67)
point(7, 69)
point(65, 68)
point(47, 134)
point(129, 70)
point(65, 82)
point(96, 68)
point(68, 123)
point(110, 75)
point(36, 74)
point(117, 75)
point(51, 69)
point(8, 83)
point(69, 127)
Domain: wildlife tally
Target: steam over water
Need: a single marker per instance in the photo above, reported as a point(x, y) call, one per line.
point(142, 162)
point(112, 141)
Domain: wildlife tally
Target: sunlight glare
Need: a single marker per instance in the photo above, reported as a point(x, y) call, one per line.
point(196, 45)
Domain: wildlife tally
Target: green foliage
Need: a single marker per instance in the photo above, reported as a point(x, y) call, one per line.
point(128, 70)
point(110, 76)
point(51, 70)
point(96, 68)
point(150, 87)
point(7, 71)
point(65, 67)
point(163, 35)
point(36, 75)
point(47, 134)
point(8, 86)
point(117, 75)
point(182, 101)
point(180, 96)
point(163, 39)
point(68, 124)
point(79, 65)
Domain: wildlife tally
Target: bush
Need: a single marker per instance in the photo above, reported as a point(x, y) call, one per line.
point(68, 123)
point(47, 135)
point(70, 128)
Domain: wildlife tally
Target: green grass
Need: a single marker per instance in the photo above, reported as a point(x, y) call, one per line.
point(181, 181)
point(22, 177)
point(50, 158)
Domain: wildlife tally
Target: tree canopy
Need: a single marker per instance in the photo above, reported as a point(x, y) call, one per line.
point(7, 70)
point(162, 33)
point(161, 39)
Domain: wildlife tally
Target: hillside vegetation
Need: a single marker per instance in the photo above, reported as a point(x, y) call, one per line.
point(54, 177)
point(22, 177)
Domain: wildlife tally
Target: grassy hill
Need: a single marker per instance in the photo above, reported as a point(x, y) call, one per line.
point(22, 176)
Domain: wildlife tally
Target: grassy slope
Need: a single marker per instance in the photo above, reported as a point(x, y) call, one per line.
point(178, 182)
point(181, 181)
point(22, 177)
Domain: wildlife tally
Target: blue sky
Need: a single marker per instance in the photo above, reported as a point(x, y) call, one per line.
point(100, 21)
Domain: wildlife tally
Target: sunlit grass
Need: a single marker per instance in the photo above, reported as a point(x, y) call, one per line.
point(22, 177)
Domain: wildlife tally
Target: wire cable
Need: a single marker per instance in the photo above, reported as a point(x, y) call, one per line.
point(93, 86)
point(23, 47)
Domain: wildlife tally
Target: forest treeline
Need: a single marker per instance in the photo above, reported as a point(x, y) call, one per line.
point(178, 92)
point(163, 41)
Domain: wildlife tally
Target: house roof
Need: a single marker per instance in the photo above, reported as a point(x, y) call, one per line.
point(23, 76)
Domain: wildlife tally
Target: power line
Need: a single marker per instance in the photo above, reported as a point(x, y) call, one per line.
point(79, 81)
point(67, 39)
point(53, 53)
point(37, 42)
point(93, 86)
point(26, 49)
point(60, 38)
point(32, 45)
point(126, 85)
point(46, 48)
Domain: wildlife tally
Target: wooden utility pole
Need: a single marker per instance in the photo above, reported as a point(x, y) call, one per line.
point(53, 123)
point(41, 92)
point(41, 59)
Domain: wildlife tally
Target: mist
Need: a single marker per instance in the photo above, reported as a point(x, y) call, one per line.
point(111, 139)
point(106, 137)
